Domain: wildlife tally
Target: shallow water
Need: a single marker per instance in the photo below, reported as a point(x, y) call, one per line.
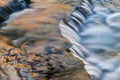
point(93, 29)
point(8, 7)
point(97, 40)
point(36, 49)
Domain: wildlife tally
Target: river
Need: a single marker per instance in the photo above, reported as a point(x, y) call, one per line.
point(93, 30)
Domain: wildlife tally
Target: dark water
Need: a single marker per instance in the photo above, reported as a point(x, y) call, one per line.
point(12, 7)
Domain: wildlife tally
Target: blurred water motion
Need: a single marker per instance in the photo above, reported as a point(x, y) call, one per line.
point(7, 7)
point(31, 47)
point(92, 27)
point(93, 30)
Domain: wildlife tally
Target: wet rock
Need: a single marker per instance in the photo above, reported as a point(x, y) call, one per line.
point(4, 2)
point(41, 54)
point(34, 61)
point(8, 73)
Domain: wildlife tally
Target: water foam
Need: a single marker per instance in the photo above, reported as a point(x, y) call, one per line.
point(93, 30)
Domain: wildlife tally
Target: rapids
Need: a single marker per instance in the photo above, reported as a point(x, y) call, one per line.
point(93, 30)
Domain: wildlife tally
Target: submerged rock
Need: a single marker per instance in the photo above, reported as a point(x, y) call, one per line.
point(38, 64)
point(37, 51)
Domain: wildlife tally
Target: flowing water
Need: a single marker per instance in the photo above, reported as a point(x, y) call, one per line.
point(11, 7)
point(93, 30)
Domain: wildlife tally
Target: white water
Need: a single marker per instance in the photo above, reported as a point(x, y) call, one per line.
point(95, 38)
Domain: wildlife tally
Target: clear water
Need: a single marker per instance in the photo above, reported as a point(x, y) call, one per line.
point(93, 30)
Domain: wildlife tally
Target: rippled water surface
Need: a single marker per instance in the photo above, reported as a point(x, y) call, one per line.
point(93, 30)
point(91, 26)
point(31, 47)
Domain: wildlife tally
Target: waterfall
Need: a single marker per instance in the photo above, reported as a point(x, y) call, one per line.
point(93, 30)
